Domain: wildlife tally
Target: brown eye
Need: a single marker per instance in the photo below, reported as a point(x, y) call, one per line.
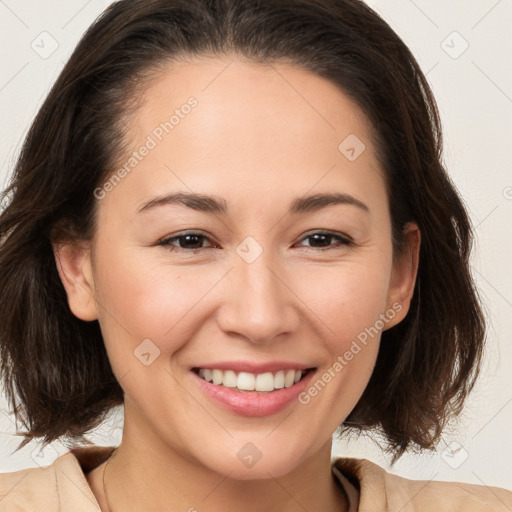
point(189, 242)
point(322, 240)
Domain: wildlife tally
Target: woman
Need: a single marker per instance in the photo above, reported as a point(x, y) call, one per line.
point(232, 218)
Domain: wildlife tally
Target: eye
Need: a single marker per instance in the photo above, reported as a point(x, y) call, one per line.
point(192, 242)
point(320, 240)
point(188, 242)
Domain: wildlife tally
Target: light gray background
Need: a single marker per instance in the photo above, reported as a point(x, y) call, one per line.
point(473, 87)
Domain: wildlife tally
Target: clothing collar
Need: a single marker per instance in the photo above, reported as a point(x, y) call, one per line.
point(72, 466)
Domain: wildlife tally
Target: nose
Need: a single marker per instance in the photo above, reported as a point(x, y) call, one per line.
point(260, 304)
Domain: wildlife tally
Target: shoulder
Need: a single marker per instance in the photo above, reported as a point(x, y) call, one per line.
point(60, 486)
point(26, 488)
point(381, 491)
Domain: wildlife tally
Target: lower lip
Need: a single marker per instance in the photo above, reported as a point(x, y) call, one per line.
point(253, 403)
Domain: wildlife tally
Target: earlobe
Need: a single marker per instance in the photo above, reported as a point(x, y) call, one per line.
point(75, 271)
point(404, 273)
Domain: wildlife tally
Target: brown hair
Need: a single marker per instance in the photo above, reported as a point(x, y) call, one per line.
point(55, 368)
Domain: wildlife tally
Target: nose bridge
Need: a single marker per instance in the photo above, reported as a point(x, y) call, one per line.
point(259, 305)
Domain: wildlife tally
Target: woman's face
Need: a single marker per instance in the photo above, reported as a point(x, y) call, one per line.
point(277, 154)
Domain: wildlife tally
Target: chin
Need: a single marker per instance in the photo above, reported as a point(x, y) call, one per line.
point(250, 463)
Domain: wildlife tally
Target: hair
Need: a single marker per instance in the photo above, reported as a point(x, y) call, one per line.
point(54, 366)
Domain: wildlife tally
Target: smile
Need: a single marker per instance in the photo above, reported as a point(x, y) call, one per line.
point(264, 391)
point(247, 382)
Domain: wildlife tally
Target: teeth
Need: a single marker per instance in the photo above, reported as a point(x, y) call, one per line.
point(289, 378)
point(245, 381)
point(264, 382)
point(229, 379)
point(279, 380)
point(217, 376)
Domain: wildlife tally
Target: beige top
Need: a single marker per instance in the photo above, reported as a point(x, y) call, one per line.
point(62, 487)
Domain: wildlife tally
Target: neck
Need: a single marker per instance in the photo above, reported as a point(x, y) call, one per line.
point(148, 475)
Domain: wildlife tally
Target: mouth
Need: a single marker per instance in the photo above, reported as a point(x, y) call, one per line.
point(246, 382)
point(252, 389)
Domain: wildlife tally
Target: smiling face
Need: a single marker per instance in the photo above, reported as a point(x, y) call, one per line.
point(283, 263)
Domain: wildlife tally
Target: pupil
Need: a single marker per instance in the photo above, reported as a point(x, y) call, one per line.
point(315, 238)
point(188, 237)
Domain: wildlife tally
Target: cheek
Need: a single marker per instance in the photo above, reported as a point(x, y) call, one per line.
point(142, 300)
point(349, 302)
point(346, 299)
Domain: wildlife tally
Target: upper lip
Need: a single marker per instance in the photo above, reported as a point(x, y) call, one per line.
point(253, 367)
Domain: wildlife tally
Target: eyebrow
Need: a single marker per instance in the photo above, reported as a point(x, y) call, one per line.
point(213, 205)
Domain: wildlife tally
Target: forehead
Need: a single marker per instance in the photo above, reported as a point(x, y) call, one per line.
point(213, 123)
point(234, 93)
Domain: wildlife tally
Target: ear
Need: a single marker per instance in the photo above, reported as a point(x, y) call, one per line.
point(75, 270)
point(403, 275)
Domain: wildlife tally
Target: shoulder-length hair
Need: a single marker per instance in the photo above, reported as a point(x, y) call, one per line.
point(54, 366)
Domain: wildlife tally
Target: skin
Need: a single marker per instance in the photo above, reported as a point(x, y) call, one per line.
point(259, 137)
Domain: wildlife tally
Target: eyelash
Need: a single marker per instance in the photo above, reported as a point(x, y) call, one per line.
point(343, 241)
